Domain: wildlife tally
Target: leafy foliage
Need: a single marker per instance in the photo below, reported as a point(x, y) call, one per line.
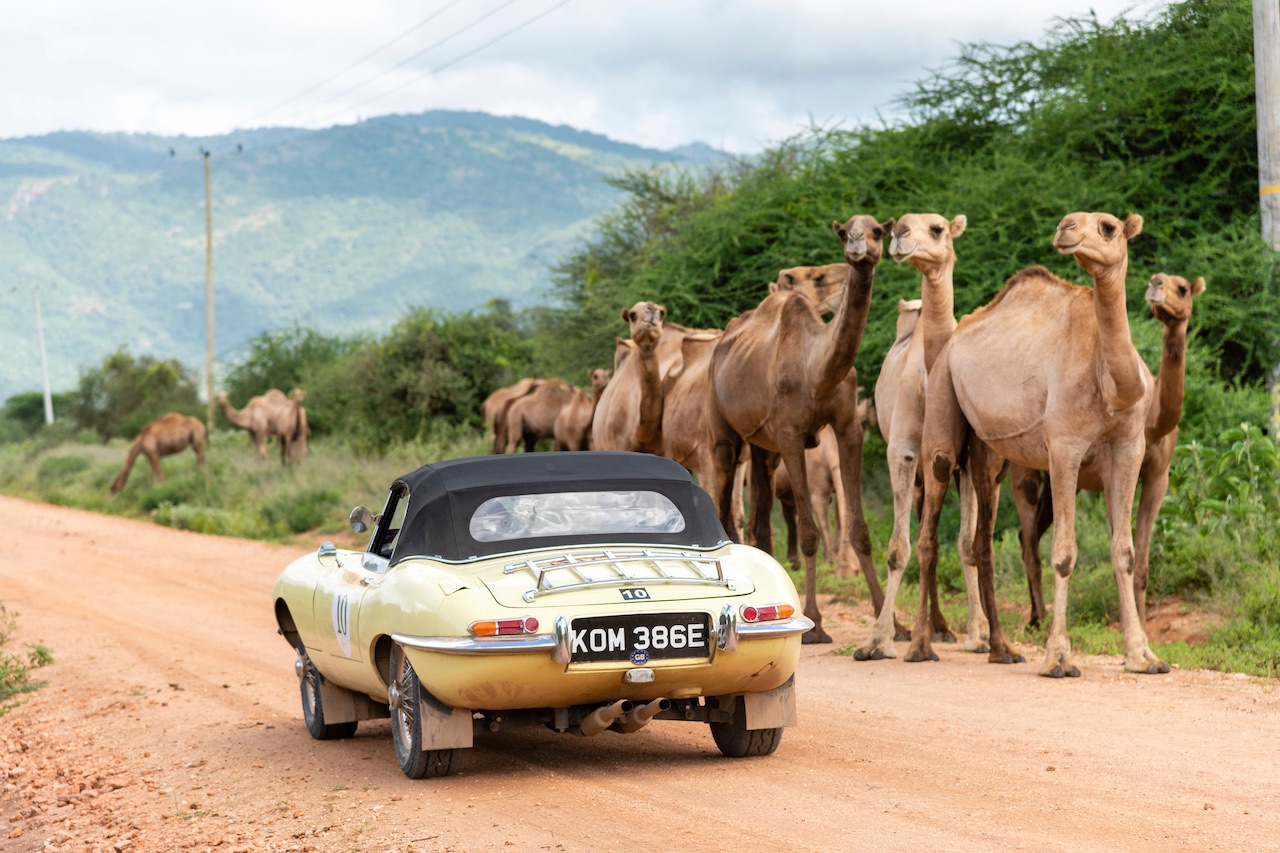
point(127, 392)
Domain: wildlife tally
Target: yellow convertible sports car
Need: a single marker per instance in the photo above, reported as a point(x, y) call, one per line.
point(579, 591)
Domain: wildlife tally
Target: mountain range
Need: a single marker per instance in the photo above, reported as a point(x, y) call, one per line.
point(340, 229)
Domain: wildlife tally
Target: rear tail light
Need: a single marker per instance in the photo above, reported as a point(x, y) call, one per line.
point(767, 613)
point(503, 627)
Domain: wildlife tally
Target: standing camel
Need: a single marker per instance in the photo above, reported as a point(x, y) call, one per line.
point(168, 434)
point(778, 375)
point(1045, 375)
point(927, 242)
point(572, 429)
point(495, 408)
point(269, 414)
point(629, 415)
point(1170, 298)
point(533, 416)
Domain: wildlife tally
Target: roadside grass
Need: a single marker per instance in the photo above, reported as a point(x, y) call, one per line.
point(1214, 550)
point(16, 667)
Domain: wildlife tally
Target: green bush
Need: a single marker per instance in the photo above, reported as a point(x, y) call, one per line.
point(55, 468)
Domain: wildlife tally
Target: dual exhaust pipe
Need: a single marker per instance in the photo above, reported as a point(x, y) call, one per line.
point(624, 716)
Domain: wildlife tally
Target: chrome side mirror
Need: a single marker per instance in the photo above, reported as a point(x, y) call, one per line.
point(361, 519)
point(328, 549)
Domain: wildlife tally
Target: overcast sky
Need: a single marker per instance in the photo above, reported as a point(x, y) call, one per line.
point(736, 74)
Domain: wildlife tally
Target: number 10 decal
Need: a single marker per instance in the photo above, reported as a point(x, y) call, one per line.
point(342, 621)
point(634, 594)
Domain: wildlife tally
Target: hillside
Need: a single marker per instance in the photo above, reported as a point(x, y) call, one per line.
point(340, 229)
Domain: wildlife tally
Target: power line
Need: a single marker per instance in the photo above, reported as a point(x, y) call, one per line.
point(453, 61)
point(409, 58)
point(355, 64)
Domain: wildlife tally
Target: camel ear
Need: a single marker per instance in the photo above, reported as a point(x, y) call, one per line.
point(958, 225)
point(773, 287)
point(838, 227)
point(626, 315)
point(888, 224)
point(1132, 226)
point(662, 313)
point(1197, 286)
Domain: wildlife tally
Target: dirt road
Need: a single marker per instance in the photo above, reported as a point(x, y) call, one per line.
point(171, 721)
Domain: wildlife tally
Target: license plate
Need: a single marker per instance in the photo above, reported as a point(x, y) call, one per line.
point(641, 638)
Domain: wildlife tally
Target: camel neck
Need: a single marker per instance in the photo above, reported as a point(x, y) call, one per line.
point(1122, 368)
point(1166, 408)
point(650, 398)
point(937, 309)
point(843, 335)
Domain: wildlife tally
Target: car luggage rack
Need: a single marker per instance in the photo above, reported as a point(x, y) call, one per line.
point(698, 569)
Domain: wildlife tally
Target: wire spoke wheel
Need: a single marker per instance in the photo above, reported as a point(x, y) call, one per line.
point(405, 696)
point(309, 679)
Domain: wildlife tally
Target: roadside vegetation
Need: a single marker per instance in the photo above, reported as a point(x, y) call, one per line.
point(1153, 116)
point(16, 667)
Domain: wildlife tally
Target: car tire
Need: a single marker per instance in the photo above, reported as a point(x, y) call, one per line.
point(735, 740)
point(313, 706)
point(406, 727)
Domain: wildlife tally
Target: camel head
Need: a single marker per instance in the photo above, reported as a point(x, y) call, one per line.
point(298, 395)
point(645, 320)
point(599, 377)
point(823, 286)
point(863, 237)
point(925, 239)
point(1170, 297)
point(223, 397)
point(1096, 239)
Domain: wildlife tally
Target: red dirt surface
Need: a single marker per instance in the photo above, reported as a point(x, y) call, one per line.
point(171, 721)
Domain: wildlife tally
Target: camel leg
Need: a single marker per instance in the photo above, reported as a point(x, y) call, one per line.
point(123, 476)
point(984, 471)
point(793, 458)
point(977, 629)
point(722, 471)
point(789, 519)
point(1119, 489)
point(157, 473)
point(199, 449)
point(761, 494)
point(1064, 465)
point(1026, 498)
point(259, 445)
point(935, 491)
point(1155, 484)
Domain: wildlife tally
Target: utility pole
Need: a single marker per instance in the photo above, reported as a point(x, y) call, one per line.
point(44, 362)
point(1266, 61)
point(208, 281)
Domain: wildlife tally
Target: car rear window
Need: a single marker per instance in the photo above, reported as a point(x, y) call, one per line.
point(581, 513)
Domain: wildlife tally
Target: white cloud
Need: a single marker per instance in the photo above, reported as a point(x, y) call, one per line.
point(658, 72)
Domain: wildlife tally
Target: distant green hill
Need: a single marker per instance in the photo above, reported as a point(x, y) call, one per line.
point(340, 229)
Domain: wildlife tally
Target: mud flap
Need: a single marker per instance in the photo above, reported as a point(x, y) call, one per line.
point(443, 726)
point(772, 709)
point(344, 706)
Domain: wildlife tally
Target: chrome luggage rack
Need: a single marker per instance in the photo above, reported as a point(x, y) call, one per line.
point(620, 567)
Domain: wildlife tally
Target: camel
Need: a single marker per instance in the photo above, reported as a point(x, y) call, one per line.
point(778, 375)
point(1170, 298)
point(572, 428)
point(298, 452)
point(266, 415)
point(168, 434)
point(495, 407)
point(533, 416)
point(629, 414)
point(1045, 375)
point(927, 242)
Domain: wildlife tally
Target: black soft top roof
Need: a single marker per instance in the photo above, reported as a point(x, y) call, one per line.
point(443, 496)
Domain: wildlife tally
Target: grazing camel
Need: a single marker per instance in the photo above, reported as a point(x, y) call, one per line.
point(272, 413)
point(1170, 298)
point(533, 416)
point(572, 429)
point(927, 242)
point(168, 434)
point(494, 409)
point(778, 375)
point(1045, 375)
